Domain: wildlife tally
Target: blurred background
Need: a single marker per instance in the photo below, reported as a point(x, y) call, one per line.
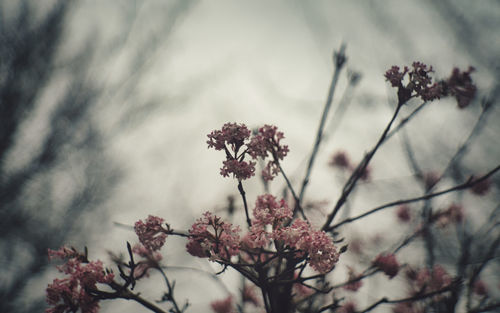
point(105, 107)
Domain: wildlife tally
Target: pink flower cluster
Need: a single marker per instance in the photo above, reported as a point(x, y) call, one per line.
point(420, 84)
point(239, 169)
point(71, 293)
point(233, 137)
point(267, 211)
point(387, 263)
point(433, 280)
point(317, 245)
point(150, 260)
point(354, 285)
point(231, 134)
point(460, 86)
point(430, 179)
point(403, 213)
point(480, 288)
point(211, 237)
point(223, 306)
point(150, 232)
point(267, 140)
point(481, 188)
point(249, 295)
point(348, 307)
point(214, 238)
point(341, 160)
point(453, 214)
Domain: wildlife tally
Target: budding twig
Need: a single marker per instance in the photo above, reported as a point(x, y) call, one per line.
point(467, 184)
point(340, 60)
point(351, 182)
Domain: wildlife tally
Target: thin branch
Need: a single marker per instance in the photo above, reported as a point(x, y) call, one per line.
point(210, 274)
point(486, 308)
point(339, 112)
point(366, 273)
point(290, 187)
point(469, 183)
point(409, 299)
point(243, 196)
point(476, 130)
point(170, 293)
point(340, 60)
point(127, 295)
point(351, 182)
point(406, 120)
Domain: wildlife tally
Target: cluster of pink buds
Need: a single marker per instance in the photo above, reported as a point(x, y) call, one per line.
point(341, 160)
point(151, 232)
point(430, 179)
point(150, 259)
point(403, 213)
point(319, 247)
point(223, 306)
point(211, 237)
point(354, 285)
point(348, 307)
point(420, 84)
point(480, 288)
point(433, 280)
point(267, 140)
point(219, 240)
point(388, 264)
point(249, 295)
point(235, 140)
point(481, 188)
point(453, 214)
point(267, 211)
point(72, 292)
point(460, 86)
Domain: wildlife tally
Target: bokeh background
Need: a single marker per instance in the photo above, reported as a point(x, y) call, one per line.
point(105, 107)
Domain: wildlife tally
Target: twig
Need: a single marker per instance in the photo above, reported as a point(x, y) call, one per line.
point(243, 196)
point(294, 195)
point(339, 112)
point(351, 182)
point(170, 293)
point(408, 299)
point(340, 60)
point(406, 120)
point(486, 308)
point(127, 295)
point(470, 182)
